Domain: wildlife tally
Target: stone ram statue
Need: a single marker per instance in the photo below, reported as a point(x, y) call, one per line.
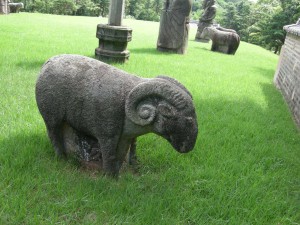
point(223, 40)
point(109, 108)
point(225, 29)
point(15, 7)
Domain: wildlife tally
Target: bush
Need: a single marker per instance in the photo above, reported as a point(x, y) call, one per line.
point(64, 7)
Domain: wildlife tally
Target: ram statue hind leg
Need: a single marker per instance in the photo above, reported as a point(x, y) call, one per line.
point(55, 134)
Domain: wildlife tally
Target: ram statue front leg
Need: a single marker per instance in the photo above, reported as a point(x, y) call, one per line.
point(110, 162)
point(132, 158)
point(214, 46)
point(124, 149)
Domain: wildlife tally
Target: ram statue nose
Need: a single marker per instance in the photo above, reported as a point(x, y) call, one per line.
point(183, 146)
point(186, 147)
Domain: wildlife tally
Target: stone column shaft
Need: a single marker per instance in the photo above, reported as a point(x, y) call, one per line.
point(116, 11)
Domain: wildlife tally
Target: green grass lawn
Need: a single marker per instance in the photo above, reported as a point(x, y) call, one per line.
point(245, 168)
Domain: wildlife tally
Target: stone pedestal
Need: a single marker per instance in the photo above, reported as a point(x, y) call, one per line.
point(113, 43)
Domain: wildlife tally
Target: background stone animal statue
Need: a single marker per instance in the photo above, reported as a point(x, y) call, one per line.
point(225, 29)
point(206, 20)
point(174, 26)
point(110, 108)
point(222, 41)
point(15, 7)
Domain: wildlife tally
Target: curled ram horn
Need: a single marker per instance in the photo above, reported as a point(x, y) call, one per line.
point(157, 88)
point(176, 82)
point(146, 112)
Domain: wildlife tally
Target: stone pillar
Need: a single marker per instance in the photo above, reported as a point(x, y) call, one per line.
point(116, 11)
point(206, 19)
point(113, 38)
point(174, 26)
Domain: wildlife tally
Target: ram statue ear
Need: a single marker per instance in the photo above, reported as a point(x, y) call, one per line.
point(166, 110)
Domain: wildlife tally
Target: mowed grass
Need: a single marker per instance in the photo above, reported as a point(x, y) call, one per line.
point(244, 169)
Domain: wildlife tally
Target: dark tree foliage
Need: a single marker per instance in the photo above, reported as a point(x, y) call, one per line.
point(271, 29)
point(230, 17)
point(68, 7)
point(103, 7)
point(144, 9)
point(262, 22)
point(63, 7)
point(86, 8)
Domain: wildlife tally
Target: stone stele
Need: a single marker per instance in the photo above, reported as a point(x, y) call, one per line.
point(174, 26)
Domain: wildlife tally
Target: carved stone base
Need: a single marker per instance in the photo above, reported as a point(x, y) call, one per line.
point(113, 43)
point(116, 56)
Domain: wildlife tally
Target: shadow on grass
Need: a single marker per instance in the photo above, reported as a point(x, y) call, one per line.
point(146, 51)
point(240, 142)
point(230, 130)
point(203, 48)
point(24, 151)
point(224, 125)
point(268, 73)
point(248, 110)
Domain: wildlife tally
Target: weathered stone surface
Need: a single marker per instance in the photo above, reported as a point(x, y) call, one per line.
point(115, 56)
point(223, 40)
point(174, 26)
point(206, 20)
point(287, 76)
point(4, 8)
point(96, 111)
point(113, 43)
point(116, 11)
point(114, 33)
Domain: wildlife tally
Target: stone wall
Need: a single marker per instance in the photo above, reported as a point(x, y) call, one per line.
point(287, 76)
